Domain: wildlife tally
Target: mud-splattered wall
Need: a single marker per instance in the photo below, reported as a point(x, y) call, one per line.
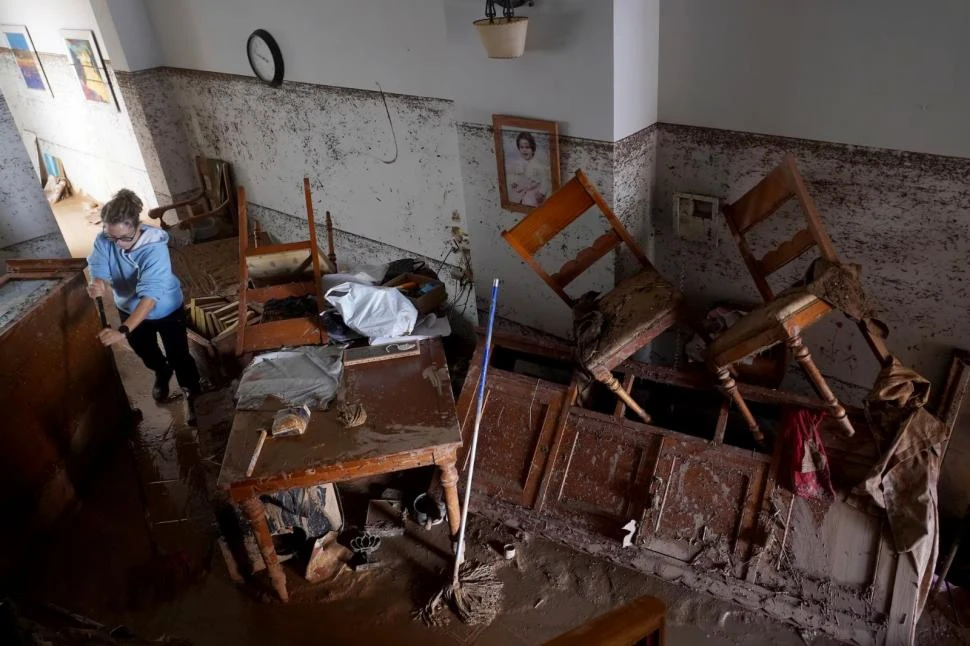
point(384, 174)
point(902, 216)
point(27, 226)
point(384, 165)
point(24, 213)
point(94, 141)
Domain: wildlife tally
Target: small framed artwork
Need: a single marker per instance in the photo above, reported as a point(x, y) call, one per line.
point(84, 55)
point(17, 38)
point(527, 151)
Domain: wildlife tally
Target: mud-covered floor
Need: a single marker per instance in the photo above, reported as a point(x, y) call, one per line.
point(139, 551)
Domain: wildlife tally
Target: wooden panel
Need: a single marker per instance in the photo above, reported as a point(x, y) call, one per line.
point(637, 623)
point(285, 247)
point(276, 334)
point(61, 399)
point(787, 251)
point(761, 201)
point(602, 477)
point(263, 294)
point(518, 424)
point(701, 499)
point(542, 225)
point(585, 258)
point(602, 473)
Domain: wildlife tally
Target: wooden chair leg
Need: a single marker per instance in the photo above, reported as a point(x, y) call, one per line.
point(731, 390)
point(613, 384)
point(804, 359)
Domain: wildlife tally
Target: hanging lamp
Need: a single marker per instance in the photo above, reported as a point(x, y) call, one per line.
point(502, 37)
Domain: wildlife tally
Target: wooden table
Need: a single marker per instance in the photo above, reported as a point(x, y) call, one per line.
point(411, 422)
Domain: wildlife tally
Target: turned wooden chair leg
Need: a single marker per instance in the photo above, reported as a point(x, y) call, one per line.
point(613, 384)
point(804, 359)
point(731, 390)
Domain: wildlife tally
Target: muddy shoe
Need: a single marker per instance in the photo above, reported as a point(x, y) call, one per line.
point(188, 406)
point(160, 389)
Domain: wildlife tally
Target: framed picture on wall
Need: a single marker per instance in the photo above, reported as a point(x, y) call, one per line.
point(527, 151)
point(84, 55)
point(17, 38)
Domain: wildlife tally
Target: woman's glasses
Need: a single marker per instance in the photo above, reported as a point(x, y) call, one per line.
point(125, 239)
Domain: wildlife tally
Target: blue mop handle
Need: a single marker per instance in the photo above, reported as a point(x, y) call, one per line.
point(479, 406)
point(488, 348)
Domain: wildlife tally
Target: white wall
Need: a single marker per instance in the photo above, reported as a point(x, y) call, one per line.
point(885, 73)
point(128, 34)
point(399, 43)
point(636, 54)
point(565, 74)
point(45, 19)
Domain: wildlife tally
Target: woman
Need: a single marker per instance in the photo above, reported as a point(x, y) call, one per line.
point(132, 260)
point(527, 176)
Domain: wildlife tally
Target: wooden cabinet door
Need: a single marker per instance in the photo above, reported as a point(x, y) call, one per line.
point(518, 423)
point(601, 476)
point(704, 500)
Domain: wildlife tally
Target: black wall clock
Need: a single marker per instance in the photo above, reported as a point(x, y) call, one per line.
point(265, 57)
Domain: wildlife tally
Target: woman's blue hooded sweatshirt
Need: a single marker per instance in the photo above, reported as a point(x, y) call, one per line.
point(144, 271)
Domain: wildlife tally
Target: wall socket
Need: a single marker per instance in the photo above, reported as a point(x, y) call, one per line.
point(697, 217)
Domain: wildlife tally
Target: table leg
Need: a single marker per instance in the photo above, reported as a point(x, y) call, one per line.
point(449, 482)
point(256, 515)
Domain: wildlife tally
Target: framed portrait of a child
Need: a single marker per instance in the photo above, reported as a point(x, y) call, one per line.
point(527, 152)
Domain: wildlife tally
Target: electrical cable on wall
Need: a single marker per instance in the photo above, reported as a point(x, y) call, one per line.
point(391, 123)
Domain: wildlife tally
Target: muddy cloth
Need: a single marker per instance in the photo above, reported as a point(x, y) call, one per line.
point(904, 480)
point(838, 285)
point(804, 465)
point(307, 375)
point(627, 314)
point(298, 509)
point(587, 325)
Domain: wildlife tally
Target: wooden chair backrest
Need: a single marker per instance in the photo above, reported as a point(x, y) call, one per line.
point(215, 176)
point(559, 211)
point(290, 331)
point(782, 184)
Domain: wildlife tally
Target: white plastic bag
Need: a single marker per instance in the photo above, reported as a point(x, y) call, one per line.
point(373, 311)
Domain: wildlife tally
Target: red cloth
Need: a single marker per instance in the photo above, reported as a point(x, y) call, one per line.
point(804, 463)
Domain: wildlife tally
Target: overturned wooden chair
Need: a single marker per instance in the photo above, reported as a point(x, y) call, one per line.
point(276, 272)
point(634, 312)
point(784, 316)
point(212, 206)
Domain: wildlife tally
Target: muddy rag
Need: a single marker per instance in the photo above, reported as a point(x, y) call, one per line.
point(804, 462)
point(298, 508)
point(307, 375)
point(904, 480)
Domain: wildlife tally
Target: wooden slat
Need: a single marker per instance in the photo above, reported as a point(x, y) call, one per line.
point(275, 334)
point(761, 201)
point(786, 252)
point(277, 248)
point(263, 294)
point(31, 265)
point(243, 270)
point(631, 623)
point(612, 219)
point(537, 268)
point(540, 226)
point(811, 211)
point(585, 258)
